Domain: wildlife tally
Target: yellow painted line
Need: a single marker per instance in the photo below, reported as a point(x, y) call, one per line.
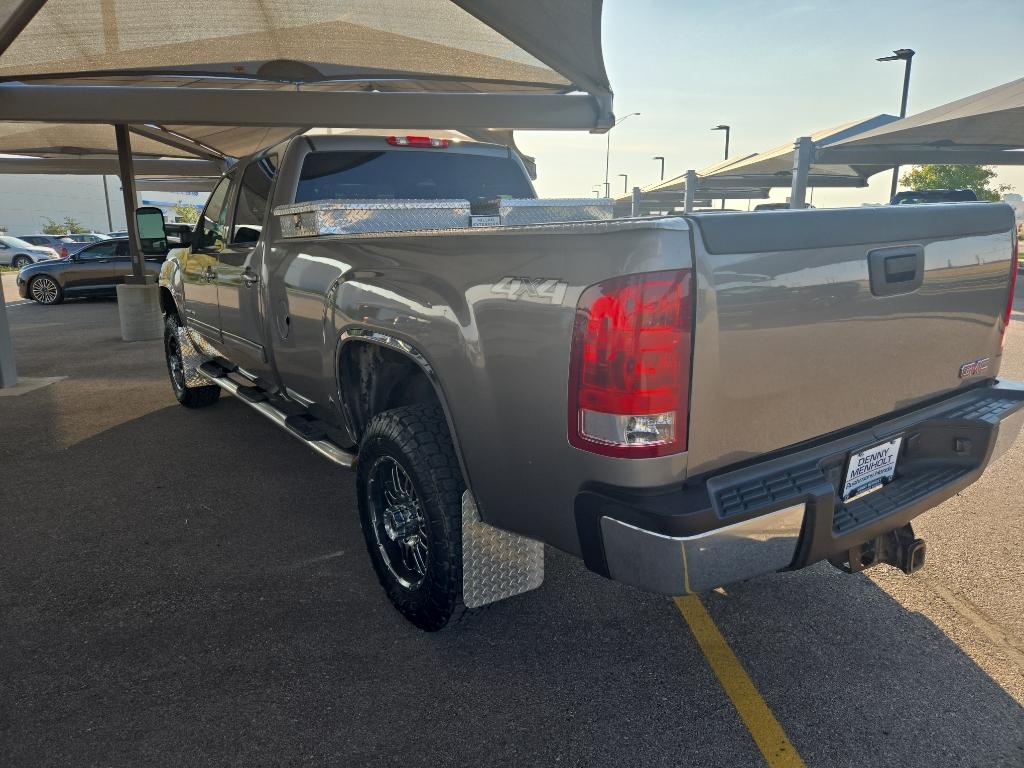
point(776, 747)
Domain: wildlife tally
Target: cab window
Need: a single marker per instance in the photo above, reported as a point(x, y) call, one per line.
point(211, 224)
point(253, 194)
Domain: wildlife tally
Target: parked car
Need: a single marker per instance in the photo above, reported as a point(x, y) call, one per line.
point(61, 244)
point(96, 270)
point(775, 207)
point(15, 252)
point(682, 402)
point(176, 230)
point(85, 238)
point(118, 233)
point(920, 196)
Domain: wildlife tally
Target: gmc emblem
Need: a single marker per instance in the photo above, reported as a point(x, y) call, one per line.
point(974, 368)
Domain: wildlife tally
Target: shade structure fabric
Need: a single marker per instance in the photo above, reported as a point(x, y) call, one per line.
point(547, 45)
point(981, 128)
point(59, 138)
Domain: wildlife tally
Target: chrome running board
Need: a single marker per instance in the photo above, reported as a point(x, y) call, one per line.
point(213, 373)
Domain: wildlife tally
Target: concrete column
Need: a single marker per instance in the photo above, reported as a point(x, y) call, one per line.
point(803, 151)
point(635, 211)
point(8, 371)
point(691, 189)
point(138, 304)
point(139, 309)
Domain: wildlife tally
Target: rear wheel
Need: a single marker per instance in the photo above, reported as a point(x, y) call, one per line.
point(410, 507)
point(21, 261)
point(45, 290)
point(190, 397)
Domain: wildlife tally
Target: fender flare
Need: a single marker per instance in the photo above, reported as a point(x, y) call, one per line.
point(371, 336)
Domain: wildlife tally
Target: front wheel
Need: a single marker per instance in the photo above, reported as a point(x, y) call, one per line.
point(45, 290)
point(410, 507)
point(190, 397)
point(21, 261)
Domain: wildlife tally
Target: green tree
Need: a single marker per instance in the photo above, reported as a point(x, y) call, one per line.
point(974, 177)
point(186, 214)
point(69, 226)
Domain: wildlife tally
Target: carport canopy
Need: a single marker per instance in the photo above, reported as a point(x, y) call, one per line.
point(753, 176)
point(984, 129)
point(336, 63)
point(188, 68)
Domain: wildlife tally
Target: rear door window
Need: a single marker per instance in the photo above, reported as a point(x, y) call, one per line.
point(391, 175)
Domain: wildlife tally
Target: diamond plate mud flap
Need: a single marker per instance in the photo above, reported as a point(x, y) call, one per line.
point(496, 564)
point(194, 352)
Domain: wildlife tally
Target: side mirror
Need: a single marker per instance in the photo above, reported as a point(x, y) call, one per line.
point(149, 220)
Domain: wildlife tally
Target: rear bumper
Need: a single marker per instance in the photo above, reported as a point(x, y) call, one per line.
point(786, 512)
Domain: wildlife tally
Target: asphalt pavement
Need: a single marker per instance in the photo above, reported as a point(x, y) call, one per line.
point(191, 588)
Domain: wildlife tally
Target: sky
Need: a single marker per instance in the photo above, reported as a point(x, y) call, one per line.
point(773, 70)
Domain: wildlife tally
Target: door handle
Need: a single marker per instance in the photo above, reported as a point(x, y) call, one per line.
point(250, 278)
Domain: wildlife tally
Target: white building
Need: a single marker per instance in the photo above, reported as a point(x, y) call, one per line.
point(27, 200)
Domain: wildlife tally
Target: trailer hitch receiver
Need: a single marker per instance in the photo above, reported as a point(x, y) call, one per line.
point(899, 548)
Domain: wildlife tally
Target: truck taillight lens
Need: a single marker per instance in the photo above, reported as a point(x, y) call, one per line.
point(1014, 261)
point(417, 141)
point(629, 374)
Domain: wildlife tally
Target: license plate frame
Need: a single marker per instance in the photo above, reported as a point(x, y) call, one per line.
point(870, 468)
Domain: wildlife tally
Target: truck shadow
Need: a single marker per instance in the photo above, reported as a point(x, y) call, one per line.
point(192, 588)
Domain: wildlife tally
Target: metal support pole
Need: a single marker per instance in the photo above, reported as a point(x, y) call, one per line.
point(607, 160)
point(803, 149)
point(691, 188)
point(8, 371)
point(903, 113)
point(659, 157)
point(106, 198)
point(635, 210)
point(124, 161)
point(727, 130)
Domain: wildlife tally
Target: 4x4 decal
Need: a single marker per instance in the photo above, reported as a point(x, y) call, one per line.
point(540, 290)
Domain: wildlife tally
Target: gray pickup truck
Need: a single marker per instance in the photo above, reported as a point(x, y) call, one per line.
point(682, 402)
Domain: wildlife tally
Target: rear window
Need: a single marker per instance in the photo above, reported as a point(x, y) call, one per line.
point(390, 175)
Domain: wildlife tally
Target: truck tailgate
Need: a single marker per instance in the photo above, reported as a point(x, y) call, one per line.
point(809, 322)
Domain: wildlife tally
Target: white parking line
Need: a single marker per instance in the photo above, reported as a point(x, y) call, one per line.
point(21, 303)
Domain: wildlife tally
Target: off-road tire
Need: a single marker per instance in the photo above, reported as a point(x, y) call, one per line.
point(190, 397)
point(49, 295)
point(416, 437)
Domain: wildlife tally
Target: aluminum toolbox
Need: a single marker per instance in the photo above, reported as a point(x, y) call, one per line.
point(554, 210)
point(351, 217)
point(337, 217)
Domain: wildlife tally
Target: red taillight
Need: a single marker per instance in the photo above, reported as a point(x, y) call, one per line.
point(1014, 260)
point(629, 374)
point(63, 251)
point(417, 141)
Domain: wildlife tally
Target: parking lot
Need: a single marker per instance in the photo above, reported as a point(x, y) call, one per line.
point(191, 588)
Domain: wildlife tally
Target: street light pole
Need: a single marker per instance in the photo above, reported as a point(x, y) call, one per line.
point(625, 182)
point(608, 152)
point(905, 55)
point(727, 129)
point(659, 157)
